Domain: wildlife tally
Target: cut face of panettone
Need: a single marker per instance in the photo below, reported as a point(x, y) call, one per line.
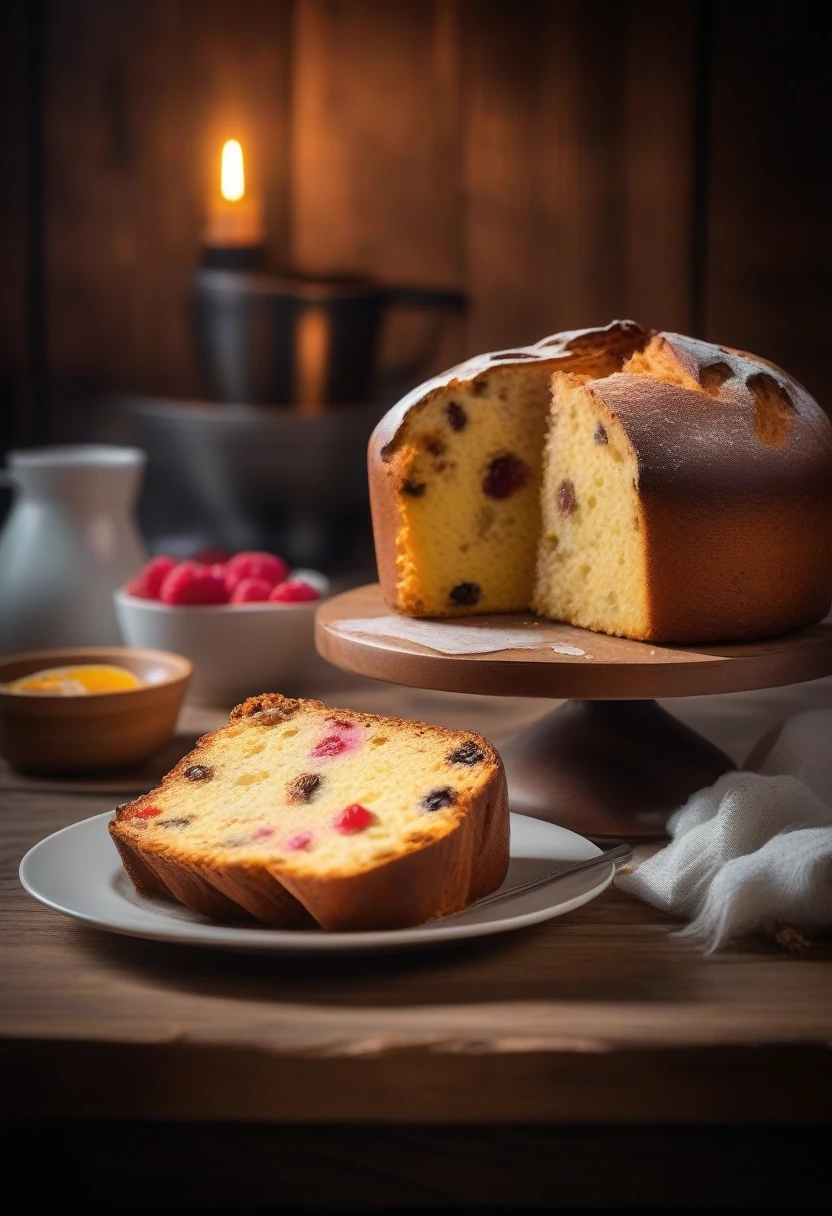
point(296, 814)
point(592, 566)
point(687, 498)
point(455, 475)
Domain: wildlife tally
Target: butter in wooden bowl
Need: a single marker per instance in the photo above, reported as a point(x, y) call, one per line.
point(82, 709)
point(77, 681)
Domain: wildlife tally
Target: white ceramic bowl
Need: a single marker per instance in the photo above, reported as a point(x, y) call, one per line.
point(238, 650)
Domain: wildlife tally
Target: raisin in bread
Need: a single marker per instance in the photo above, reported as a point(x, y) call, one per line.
point(455, 473)
point(687, 498)
point(300, 815)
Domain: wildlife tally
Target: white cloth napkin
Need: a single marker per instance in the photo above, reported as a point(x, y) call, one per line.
point(755, 848)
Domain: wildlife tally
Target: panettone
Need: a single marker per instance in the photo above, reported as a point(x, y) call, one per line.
point(683, 492)
point(455, 471)
point(298, 815)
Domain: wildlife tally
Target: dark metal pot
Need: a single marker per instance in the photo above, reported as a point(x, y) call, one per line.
point(247, 476)
point(281, 340)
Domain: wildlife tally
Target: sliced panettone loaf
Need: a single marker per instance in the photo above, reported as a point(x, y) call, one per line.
point(687, 498)
point(300, 815)
point(455, 471)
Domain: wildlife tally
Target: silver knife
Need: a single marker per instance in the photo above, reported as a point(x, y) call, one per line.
point(618, 856)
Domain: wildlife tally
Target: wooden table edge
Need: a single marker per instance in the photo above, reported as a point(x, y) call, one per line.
point(766, 1085)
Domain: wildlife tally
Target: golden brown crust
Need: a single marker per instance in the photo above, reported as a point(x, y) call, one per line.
point(445, 876)
point(594, 351)
point(444, 870)
point(735, 482)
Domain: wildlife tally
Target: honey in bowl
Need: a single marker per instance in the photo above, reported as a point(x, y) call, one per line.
point(77, 681)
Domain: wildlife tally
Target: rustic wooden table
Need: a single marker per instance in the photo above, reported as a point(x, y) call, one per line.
point(601, 1020)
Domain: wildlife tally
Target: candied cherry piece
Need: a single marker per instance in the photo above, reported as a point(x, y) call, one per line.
point(330, 745)
point(251, 591)
point(294, 591)
point(148, 582)
point(191, 584)
point(301, 840)
point(147, 812)
point(353, 818)
point(253, 563)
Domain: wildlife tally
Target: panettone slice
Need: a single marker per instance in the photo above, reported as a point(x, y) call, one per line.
point(297, 814)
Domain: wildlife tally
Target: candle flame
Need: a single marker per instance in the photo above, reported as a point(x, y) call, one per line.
point(232, 174)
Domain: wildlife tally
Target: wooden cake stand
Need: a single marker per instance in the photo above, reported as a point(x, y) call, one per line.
point(610, 763)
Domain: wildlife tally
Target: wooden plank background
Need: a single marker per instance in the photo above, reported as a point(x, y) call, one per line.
point(564, 163)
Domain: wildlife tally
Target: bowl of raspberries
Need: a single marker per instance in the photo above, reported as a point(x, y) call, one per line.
point(246, 623)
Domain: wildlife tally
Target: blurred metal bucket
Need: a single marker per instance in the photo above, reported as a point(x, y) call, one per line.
point(254, 476)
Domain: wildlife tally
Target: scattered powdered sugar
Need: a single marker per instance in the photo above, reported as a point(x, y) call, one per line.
point(452, 639)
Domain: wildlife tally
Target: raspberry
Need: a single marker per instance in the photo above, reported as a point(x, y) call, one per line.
point(250, 591)
point(147, 583)
point(293, 591)
point(253, 564)
point(191, 583)
point(262, 833)
point(212, 555)
point(301, 841)
point(354, 818)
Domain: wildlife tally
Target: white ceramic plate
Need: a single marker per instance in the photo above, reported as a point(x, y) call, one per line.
point(77, 871)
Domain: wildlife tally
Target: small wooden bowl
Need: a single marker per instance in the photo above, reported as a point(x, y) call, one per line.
point(40, 733)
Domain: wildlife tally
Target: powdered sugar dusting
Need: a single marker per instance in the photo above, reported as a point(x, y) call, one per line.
point(451, 639)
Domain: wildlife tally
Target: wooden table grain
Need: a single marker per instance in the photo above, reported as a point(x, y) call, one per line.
point(604, 1016)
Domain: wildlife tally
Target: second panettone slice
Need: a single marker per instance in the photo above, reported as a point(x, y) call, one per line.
point(298, 814)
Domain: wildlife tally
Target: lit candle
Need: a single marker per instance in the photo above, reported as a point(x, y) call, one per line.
point(235, 215)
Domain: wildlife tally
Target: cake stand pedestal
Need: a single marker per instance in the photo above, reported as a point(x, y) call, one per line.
point(610, 763)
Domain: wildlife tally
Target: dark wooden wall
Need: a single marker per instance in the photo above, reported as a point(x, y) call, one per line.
point(564, 162)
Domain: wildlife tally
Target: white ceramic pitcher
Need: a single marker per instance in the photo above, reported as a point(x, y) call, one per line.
point(70, 539)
